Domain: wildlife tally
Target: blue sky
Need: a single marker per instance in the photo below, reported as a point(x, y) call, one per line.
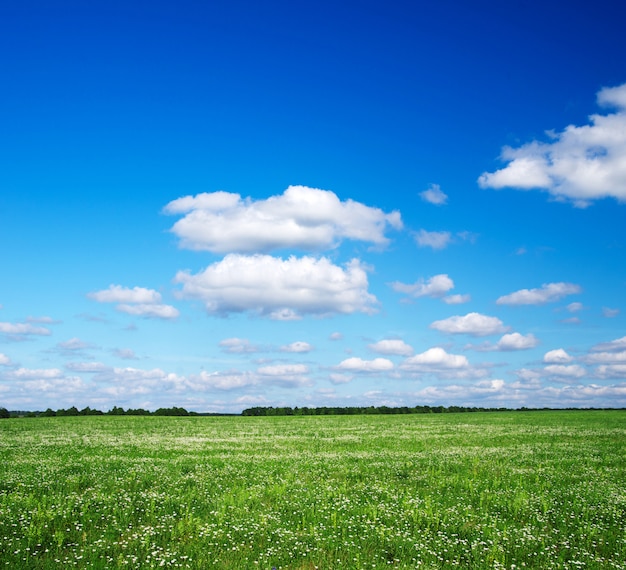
point(218, 205)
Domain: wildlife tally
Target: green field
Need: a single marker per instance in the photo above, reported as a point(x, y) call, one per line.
point(475, 490)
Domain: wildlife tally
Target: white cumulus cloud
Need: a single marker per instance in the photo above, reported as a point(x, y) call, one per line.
point(36, 373)
point(607, 357)
point(298, 346)
point(473, 324)
point(435, 240)
point(579, 164)
point(517, 341)
point(287, 375)
point(138, 301)
point(119, 294)
point(157, 311)
point(434, 195)
point(436, 286)
point(276, 287)
point(356, 364)
point(207, 381)
point(557, 356)
point(237, 345)
point(612, 371)
point(304, 218)
point(4, 359)
point(435, 359)
point(569, 371)
point(391, 347)
point(547, 293)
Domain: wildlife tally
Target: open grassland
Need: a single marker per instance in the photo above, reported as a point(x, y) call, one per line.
point(482, 490)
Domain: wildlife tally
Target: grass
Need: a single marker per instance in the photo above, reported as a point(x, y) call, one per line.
point(481, 490)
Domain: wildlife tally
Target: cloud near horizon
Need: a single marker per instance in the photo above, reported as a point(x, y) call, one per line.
point(579, 164)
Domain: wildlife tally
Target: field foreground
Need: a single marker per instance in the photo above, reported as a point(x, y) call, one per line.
point(477, 490)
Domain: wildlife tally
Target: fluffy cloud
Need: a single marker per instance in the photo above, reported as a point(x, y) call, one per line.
point(237, 345)
point(557, 356)
point(287, 375)
point(36, 373)
point(435, 240)
point(580, 164)
point(298, 346)
point(569, 371)
point(473, 324)
point(490, 390)
point(355, 364)
point(606, 357)
point(119, 294)
point(435, 359)
point(279, 288)
point(340, 378)
point(434, 195)
point(392, 347)
point(207, 381)
point(547, 293)
point(137, 301)
point(517, 341)
point(611, 371)
point(436, 286)
point(304, 218)
point(23, 329)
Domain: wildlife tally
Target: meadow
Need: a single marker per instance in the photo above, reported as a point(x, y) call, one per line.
point(537, 489)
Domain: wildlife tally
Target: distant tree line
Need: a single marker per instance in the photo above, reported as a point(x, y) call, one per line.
point(356, 410)
point(114, 411)
point(279, 411)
